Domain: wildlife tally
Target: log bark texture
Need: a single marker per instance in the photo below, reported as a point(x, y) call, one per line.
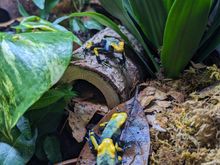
point(114, 81)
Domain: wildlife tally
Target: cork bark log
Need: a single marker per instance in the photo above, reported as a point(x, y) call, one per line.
point(115, 82)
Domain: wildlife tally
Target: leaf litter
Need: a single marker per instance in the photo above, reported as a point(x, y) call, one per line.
point(184, 117)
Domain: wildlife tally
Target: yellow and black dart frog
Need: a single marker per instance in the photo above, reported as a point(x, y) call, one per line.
point(106, 147)
point(107, 46)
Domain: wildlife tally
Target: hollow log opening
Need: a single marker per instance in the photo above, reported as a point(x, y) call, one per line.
point(88, 91)
point(4, 16)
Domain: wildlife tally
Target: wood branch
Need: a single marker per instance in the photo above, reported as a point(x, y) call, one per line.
point(114, 81)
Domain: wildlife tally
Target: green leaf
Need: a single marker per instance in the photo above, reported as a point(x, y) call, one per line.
point(49, 5)
point(208, 46)
point(99, 17)
point(47, 119)
point(77, 25)
point(24, 127)
point(52, 149)
point(25, 142)
point(151, 17)
point(22, 10)
point(9, 155)
point(168, 4)
point(52, 96)
point(215, 24)
point(211, 38)
point(30, 64)
point(34, 23)
point(93, 25)
point(184, 29)
point(39, 3)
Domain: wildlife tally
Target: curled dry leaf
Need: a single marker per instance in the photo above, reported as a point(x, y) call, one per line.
point(163, 104)
point(179, 97)
point(135, 132)
point(83, 113)
point(146, 100)
point(159, 95)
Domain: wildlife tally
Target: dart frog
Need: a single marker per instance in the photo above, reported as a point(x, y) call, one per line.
point(106, 147)
point(108, 46)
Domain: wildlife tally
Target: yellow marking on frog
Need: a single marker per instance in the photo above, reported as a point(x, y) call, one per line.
point(118, 48)
point(114, 124)
point(103, 124)
point(89, 45)
point(93, 140)
point(118, 149)
point(96, 51)
point(107, 148)
point(120, 118)
point(119, 158)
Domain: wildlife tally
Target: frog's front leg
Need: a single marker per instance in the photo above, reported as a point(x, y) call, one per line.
point(94, 141)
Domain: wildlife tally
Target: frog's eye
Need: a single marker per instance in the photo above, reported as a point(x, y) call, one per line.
point(115, 115)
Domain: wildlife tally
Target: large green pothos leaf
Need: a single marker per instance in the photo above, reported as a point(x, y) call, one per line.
point(30, 64)
point(9, 155)
point(184, 29)
point(22, 146)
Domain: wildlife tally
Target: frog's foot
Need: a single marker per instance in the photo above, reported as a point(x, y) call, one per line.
point(93, 141)
point(103, 124)
point(118, 148)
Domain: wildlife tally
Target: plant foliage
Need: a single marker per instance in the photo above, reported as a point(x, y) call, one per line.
point(31, 62)
point(180, 27)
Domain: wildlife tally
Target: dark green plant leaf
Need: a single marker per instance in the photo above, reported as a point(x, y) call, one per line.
point(184, 29)
point(25, 142)
point(52, 96)
point(39, 3)
point(9, 155)
point(52, 149)
point(22, 10)
point(168, 4)
point(93, 25)
point(214, 20)
point(99, 17)
point(30, 64)
point(47, 119)
point(208, 46)
point(211, 38)
point(24, 127)
point(151, 17)
point(49, 5)
point(77, 25)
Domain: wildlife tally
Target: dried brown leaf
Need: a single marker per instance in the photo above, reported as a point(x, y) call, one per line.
point(83, 113)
